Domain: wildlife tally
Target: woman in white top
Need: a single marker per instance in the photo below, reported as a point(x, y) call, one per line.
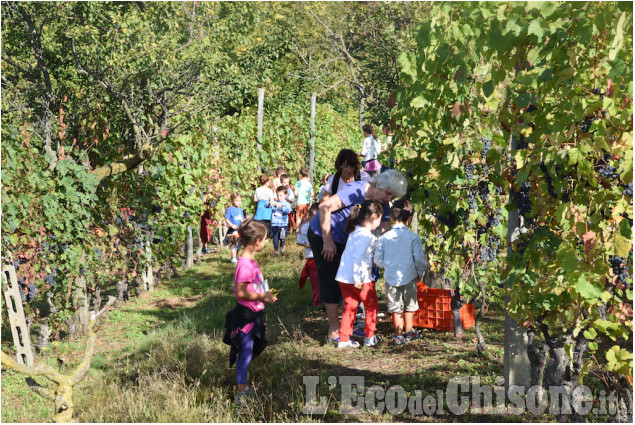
point(371, 148)
point(348, 170)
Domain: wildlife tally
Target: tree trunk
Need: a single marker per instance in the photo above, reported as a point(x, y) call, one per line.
point(81, 317)
point(456, 305)
point(361, 112)
point(122, 291)
point(44, 333)
point(537, 358)
point(189, 249)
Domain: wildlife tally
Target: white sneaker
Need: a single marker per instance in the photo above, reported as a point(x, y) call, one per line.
point(348, 344)
point(371, 342)
point(234, 261)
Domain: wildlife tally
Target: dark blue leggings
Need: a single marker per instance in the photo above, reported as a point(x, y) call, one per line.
point(279, 236)
point(244, 357)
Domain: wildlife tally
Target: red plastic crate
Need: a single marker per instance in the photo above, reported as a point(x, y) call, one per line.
point(435, 311)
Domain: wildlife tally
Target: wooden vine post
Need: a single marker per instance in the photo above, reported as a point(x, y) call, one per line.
point(19, 329)
point(312, 141)
point(261, 103)
point(62, 395)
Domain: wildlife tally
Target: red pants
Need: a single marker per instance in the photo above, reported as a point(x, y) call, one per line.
point(352, 297)
point(301, 212)
point(310, 271)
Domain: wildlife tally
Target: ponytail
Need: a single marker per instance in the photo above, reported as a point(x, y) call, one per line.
point(362, 213)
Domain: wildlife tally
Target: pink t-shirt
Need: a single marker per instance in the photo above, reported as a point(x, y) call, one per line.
point(248, 271)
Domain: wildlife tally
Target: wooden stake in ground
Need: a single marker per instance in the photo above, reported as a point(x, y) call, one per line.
point(62, 396)
point(312, 141)
point(19, 329)
point(261, 103)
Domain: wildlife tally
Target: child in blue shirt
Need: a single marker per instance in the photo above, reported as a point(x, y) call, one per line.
point(400, 252)
point(233, 218)
point(279, 219)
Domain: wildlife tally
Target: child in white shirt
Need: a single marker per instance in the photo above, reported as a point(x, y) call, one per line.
point(400, 252)
point(354, 273)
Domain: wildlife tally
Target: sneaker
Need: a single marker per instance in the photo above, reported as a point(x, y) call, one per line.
point(283, 250)
point(348, 344)
point(359, 333)
point(242, 399)
point(275, 253)
point(234, 261)
point(411, 336)
point(397, 340)
point(371, 341)
point(204, 251)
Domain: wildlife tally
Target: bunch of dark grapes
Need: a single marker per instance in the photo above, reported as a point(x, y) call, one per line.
point(522, 142)
point(620, 269)
point(522, 199)
point(628, 189)
point(487, 145)
point(483, 190)
point(469, 170)
point(608, 172)
point(471, 200)
point(490, 251)
point(98, 252)
point(448, 219)
point(493, 220)
point(549, 181)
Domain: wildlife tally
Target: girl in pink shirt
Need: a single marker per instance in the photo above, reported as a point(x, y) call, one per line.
point(245, 324)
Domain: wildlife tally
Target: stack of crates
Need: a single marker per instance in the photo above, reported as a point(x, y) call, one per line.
point(435, 311)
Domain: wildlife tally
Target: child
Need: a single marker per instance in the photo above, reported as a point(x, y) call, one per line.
point(276, 181)
point(279, 219)
point(246, 322)
point(354, 273)
point(290, 198)
point(400, 253)
point(309, 269)
point(233, 218)
point(323, 181)
point(205, 232)
point(303, 193)
point(262, 197)
point(371, 147)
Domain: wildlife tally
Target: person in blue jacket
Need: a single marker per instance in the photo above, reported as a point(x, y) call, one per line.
point(280, 210)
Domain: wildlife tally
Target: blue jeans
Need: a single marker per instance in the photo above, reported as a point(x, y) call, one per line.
point(279, 236)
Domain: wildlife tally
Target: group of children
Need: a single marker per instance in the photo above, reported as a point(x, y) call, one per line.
point(399, 252)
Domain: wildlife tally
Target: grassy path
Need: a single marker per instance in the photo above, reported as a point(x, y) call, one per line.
point(161, 359)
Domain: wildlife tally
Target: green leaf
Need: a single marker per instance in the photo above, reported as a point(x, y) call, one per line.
point(589, 290)
point(622, 245)
point(535, 27)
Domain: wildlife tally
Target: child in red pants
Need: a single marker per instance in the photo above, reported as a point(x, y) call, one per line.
point(309, 269)
point(355, 272)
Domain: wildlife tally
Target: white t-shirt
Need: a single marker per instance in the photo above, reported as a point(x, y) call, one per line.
point(370, 148)
point(303, 238)
point(263, 193)
point(357, 259)
point(328, 187)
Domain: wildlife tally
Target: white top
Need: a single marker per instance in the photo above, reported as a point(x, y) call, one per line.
point(400, 253)
point(263, 193)
point(357, 259)
point(328, 187)
point(303, 238)
point(370, 148)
